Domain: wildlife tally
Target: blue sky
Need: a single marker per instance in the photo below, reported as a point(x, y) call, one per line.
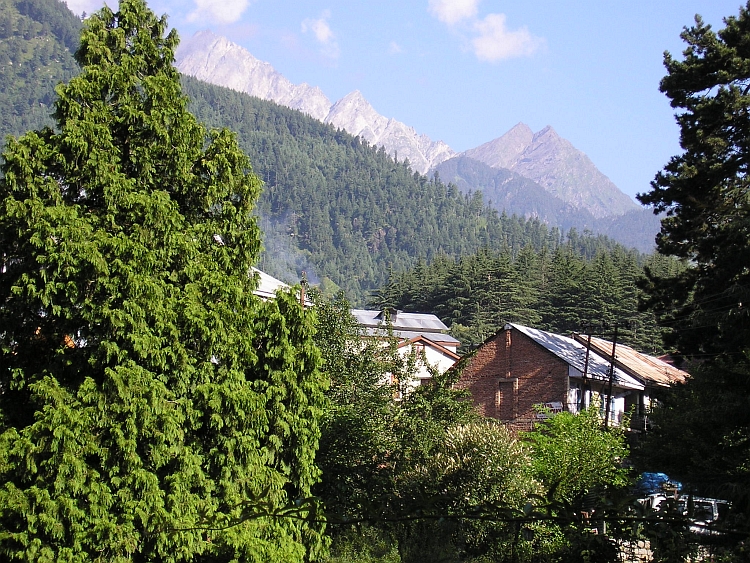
point(466, 71)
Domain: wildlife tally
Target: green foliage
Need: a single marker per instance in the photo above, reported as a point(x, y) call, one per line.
point(333, 206)
point(357, 425)
point(338, 208)
point(701, 429)
point(580, 464)
point(364, 544)
point(573, 455)
point(480, 466)
point(151, 407)
point(704, 190)
point(37, 41)
point(370, 439)
point(702, 433)
point(560, 291)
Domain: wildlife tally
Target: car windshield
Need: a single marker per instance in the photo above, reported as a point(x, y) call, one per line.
point(703, 511)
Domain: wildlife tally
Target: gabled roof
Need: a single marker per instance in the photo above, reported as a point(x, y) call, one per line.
point(417, 322)
point(646, 368)
point(268, 285)
point(574, 354)
point(428, 342)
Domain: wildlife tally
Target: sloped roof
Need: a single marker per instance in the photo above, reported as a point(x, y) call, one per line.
point(405, 325)
point(419, 322)
point(574, 354)
point(268, 285)
point(647, 368)
point(435, 345)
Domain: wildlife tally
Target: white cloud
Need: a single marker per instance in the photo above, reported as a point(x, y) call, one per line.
point(323, 34)
point(394, 48)
point(495, 42)
point(218, 11)
point(453, 11)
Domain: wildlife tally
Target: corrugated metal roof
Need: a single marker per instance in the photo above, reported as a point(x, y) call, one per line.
point(418, 322)
point(405, 325)
point(647, 368)
point(439, 338)
point(574, 354)
point(268, 285)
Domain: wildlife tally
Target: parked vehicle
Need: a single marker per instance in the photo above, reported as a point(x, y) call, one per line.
point(703, 513)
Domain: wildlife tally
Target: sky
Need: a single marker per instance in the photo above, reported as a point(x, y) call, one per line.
point(466, 71)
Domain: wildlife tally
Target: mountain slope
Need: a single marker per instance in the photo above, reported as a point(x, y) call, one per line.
point(217, 60)
point(37, 42)
point(511, 193)
point(333, 205)
point(354, 114)
point(342, 210)
point(578, 193)
point(556, 165)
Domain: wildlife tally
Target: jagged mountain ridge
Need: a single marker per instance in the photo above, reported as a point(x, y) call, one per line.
point(544, 157)
point(556, 165)
point(354, 114)
point(513, 193)
point(331, 206)
point(216, 60)
point(508, 191)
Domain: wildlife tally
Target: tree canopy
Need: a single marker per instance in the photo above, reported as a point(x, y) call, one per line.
point(560, 291)
point(702, 431)
point(151, 406)
point(704, 190)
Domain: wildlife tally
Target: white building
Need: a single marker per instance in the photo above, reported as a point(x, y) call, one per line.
point(422, 334)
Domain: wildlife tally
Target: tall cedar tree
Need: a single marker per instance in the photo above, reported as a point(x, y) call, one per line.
point(151, 407)
point(703, 430)
point(704, 191)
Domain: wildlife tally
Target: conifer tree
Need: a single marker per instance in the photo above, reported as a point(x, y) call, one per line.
point(704, 192)
point(151, 407)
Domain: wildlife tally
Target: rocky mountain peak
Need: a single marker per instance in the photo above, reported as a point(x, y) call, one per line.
point(548, 134)
point(544, 156)
point(356, 115)
point(519, 133)
point(352, 106)
point(503, 151)
point(556, 165)
point(354, 97)
point(217, 60)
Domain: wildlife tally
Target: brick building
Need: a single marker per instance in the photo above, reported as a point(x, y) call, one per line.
point(520, 368)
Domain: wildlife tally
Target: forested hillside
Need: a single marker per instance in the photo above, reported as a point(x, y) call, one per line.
point(346, 212)
point(509, 191)
point(333, 207)
point(37, 42)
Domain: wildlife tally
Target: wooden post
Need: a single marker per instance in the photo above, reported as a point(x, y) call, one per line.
point(611, 378)
point(585, 367)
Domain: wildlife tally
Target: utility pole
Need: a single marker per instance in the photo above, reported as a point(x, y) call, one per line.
point(611, 379)
point(585, 368)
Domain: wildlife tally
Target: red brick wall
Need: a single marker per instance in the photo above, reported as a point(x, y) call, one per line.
point(509, 374)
